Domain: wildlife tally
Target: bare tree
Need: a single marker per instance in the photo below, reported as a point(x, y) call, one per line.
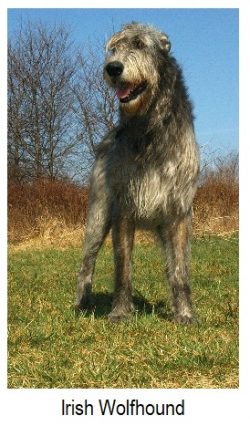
point(59, 108)
point(94, 104)
point(41, 132)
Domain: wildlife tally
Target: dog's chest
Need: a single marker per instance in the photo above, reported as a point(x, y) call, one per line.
point(142, 186)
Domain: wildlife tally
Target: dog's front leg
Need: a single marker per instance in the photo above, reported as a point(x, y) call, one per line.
point(123, 237)
point(176, 242)
point(97, 227)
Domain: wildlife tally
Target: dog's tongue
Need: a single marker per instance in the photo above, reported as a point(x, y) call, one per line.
point(123, 92)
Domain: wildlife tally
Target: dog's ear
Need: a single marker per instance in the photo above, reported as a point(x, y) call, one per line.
point(165, 43)
point(110, 45)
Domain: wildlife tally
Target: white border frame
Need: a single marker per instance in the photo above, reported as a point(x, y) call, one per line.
point(207, 406)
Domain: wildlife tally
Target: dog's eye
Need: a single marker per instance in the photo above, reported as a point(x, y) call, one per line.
point(112, 51)
point(138, 43)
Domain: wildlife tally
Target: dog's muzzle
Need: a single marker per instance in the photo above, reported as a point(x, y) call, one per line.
point(126, 91)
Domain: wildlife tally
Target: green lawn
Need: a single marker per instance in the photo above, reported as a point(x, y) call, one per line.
point(50, 347)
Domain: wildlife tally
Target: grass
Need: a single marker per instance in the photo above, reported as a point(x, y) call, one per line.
point(49, 347)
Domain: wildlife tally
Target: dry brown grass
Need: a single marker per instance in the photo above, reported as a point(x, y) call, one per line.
point(45, 213)
point(216, 205)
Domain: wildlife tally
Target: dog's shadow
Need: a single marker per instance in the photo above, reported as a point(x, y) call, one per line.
point(102, 304)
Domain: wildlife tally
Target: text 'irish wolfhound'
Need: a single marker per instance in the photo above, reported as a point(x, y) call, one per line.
point(146, 169)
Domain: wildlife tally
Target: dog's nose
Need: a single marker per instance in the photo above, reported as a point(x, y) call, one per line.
point(114, 69)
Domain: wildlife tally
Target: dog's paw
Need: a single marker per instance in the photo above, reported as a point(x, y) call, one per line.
point(120, 315)
point(183, 319)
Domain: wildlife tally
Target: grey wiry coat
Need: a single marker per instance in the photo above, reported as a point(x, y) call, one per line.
point(146, 169)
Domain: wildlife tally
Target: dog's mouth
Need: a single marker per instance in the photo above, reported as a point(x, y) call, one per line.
point(129, 92)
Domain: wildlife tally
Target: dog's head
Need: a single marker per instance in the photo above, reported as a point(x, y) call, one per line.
point(132, 65)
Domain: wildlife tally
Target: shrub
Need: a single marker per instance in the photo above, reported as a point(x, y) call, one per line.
point(31, 204)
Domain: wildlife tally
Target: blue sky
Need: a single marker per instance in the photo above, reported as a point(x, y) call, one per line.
point(204, 41)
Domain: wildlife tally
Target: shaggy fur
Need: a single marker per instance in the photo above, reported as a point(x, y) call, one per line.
point(146, 168)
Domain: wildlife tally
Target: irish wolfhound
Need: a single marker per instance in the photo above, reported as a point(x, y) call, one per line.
point(146, 168)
